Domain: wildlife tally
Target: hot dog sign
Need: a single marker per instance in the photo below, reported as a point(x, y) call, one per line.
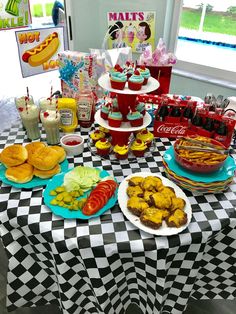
point(38, 49)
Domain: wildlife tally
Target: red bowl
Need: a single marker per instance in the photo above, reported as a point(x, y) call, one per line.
point(197, 166)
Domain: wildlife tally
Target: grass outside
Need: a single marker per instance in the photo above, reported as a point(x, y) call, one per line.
point(215, 23)
point(37, 10)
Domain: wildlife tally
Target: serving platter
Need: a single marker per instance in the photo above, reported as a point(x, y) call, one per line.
point(164, 230)
point(56, 181)
point(35, 182)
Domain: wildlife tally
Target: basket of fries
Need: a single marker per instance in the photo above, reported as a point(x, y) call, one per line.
point(200, 154)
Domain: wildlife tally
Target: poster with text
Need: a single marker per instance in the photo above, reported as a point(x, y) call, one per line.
point(14, 14)
point(39, 48)
point(134, 29)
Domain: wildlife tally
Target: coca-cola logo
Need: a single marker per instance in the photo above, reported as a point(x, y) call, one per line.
point(175, 130)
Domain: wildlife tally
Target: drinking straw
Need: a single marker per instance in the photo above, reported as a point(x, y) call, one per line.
point(51, 91)
point(27, 99)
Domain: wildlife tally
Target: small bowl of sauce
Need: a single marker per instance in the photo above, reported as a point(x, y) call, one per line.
point(73, 144)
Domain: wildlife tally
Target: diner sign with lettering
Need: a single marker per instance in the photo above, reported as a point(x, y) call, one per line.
point(38, 49)
point(133, 29)
point(14, 14)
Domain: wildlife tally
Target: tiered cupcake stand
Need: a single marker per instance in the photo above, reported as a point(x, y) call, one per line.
point(126, 99)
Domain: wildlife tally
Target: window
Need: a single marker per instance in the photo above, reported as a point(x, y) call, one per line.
point(205, 43)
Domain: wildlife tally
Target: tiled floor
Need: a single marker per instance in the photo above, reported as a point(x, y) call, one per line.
point(196, 307)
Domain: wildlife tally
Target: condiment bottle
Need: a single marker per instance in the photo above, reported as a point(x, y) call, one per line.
point(67, 109)
point(85, 108)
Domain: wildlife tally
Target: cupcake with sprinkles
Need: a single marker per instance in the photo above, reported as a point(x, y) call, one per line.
point(115, 119)
point(135, 118)
point(135, 82)
point(145, 73)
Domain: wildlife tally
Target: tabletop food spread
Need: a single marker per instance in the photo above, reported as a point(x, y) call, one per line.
point(96, 219)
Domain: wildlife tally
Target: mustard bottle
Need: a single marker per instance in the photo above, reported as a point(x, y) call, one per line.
point(67, 108)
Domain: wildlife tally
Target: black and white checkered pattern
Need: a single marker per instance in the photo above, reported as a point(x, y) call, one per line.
point(104, 264)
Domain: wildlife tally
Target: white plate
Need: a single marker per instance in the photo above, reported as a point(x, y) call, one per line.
point(125, 126)
point(152, 84)
point(164, 230)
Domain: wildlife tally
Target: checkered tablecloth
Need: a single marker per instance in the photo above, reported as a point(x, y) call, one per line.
point(104, 264)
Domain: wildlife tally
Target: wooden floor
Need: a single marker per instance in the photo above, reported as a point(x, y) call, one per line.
point(198, 307)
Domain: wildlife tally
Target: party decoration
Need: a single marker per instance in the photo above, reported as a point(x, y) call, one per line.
point(68, 71)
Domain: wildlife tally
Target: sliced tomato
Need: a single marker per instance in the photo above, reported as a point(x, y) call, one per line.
point(101, 195)
point(97, 199)
point(105, 191)
point(90, 208)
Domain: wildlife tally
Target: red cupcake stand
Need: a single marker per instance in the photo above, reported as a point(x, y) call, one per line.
point(126, 99)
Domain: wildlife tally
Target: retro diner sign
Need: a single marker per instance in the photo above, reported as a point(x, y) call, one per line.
point(14, 14)
point(38, 49)
point(134, 29)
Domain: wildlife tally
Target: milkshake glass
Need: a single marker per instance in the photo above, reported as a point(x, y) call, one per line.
point(51, 122)
point(22, 101)
point(30, 120)
point(47, 103)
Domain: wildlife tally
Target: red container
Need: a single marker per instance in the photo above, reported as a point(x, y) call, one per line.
point(195, 166)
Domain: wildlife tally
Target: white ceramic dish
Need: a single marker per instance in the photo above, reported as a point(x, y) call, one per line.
point(164, 230)
point(73, 150)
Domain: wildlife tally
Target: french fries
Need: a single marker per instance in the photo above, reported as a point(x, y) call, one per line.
point(206, 158)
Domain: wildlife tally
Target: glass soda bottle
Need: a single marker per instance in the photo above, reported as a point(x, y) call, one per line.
point(85, 108)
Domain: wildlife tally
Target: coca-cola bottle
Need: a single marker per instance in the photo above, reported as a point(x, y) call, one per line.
point(221, 132)
point(197, 120)
point(188, 112)
point(162, 113)
point(175, 112)
point(209, 124)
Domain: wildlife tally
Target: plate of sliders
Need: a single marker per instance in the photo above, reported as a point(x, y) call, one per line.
point(31, 165)
point(154, 204)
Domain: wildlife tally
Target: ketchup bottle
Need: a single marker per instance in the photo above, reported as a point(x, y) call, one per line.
point(85, 108)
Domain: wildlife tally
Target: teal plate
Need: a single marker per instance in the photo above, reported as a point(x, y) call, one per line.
point(35, 182)
point(56, 181)
point(224, 173)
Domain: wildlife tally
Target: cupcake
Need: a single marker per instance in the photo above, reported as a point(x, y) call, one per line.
point(135, 118)
point(138, 148)
point(103, 147)
point(129, 69)
point(105, 111)
point(117, 69)
point(118, 80)
point(145, 136)
point(97, 135)
point(104, 130)
point(135, 82)
point(115, 119)
point(141, 108)
point(121, 152)
point(145, 73)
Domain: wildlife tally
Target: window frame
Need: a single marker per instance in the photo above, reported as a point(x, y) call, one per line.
point(201, 72)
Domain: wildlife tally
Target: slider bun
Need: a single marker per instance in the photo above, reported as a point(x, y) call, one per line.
point(20, 174)
point(45, 174)
point(45, 158)
point(32, 148)
point(61, 152)
point(14, 155)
